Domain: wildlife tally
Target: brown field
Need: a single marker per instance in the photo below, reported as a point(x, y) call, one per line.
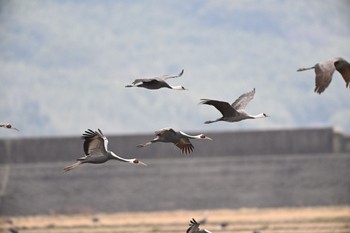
point(319, 219)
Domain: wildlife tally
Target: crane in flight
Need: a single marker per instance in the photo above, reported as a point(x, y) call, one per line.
point(179, 138)
point(157, 82)
point(324, 72)
point(194, 227)
point(8, 126)
point(96, 151)
point(234, 112)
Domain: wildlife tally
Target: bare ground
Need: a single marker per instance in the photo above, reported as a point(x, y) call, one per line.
point(316, 219)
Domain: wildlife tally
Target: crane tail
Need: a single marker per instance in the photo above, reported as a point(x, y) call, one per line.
point(71, 167)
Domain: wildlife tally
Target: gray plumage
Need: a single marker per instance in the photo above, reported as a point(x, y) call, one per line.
point(157, 82)
point(324, 72)
point(8, 126)
point(234, 112)
point(194, 227)
point(96, 151)
point(179, 138)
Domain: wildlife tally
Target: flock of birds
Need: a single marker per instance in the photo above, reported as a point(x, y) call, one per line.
point(96, 143)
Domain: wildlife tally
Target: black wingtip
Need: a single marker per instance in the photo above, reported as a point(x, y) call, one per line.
point(182, 72)
point(100, 132)
point(88, 133)
point(193, 221)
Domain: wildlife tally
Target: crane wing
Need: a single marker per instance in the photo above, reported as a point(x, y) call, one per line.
point(225, 108)
point(95, 143)
point(172, 75)
point(185, 145)
point(194, 226)
point(144, 80)
point(166, 132)
point(242, 101)
point(343, 67)
point(324, 72)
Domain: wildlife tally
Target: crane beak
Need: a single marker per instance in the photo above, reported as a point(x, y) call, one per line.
point(142, 163)
point(209, 138)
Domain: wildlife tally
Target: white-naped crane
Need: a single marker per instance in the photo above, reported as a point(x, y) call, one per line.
point(235, 111)
point(157, 82)
point(324, 72)
point(179, 138)
point(96, 151)
point(194, 227)
point(8, 126)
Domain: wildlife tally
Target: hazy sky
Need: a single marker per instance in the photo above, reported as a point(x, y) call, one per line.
point(64, 64)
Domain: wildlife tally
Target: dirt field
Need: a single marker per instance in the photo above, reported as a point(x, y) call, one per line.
point(320, 219)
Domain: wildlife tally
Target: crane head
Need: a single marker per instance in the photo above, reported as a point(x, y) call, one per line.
point(203, 136)
point(138, 162)
point(9, 126)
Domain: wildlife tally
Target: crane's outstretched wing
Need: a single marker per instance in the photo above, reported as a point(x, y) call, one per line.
point(157, 79)
point(166, 132)
point(162, 133)
point(242, 101)
point(145, 80)
point(343, 67)
point(172, 75)
point(194, 226)
point(95, 143)
point(224, 107)
point(185, 145)
point(323, 77)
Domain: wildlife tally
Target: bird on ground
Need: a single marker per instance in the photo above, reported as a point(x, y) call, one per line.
point(96, 151)
point(157, 82)
point(324, 72)
point(234, 112)
point(8, 126)
point(13, 230)
point(223, 225)
point(194, 227)
point(95, 219)
point(179, 138)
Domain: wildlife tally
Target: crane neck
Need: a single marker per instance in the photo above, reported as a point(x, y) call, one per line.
point(260, 115)
point(180, 88)
point(190, 136)
point(111, 155)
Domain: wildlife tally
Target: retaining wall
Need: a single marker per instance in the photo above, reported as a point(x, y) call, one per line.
point(295, 141)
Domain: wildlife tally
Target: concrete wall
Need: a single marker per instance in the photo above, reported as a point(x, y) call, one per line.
point(296, 141)
point(194, 182)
